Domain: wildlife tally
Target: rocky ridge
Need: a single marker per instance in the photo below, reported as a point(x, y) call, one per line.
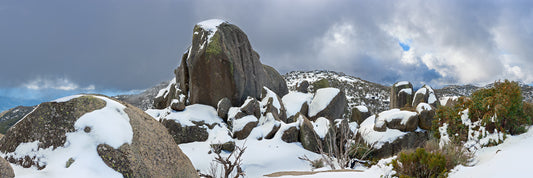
point(357, 91)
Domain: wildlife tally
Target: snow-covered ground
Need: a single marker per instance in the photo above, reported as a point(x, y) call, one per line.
point(268, 156)
point(512, 158)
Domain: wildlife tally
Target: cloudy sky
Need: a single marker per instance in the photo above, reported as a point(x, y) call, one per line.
point(122, 45)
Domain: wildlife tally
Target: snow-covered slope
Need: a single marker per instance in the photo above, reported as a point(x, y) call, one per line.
point(512, 158)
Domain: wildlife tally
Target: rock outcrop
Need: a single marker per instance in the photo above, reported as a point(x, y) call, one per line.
point(308, 137)
point(408, 141)
point(359, 114)
point(251, 107)
point(243, 126)
point(401, 94)
point(426, 116)
point(223, 108)
point(186, 134)
point(221, 63)
point(290, 134)
point(302, 86)
point(150, 152)
point(405, 121)
point(165, 96)
point(329, 103)
point(272, 103)
point(6, 171)
point(425, 95)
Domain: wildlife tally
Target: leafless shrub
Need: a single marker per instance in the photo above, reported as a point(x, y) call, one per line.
point(231, 165)
point(317, 163)
point(341, 147)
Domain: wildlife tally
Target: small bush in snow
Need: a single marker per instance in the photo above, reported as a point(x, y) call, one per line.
point(317, 163)
point(420, 163)
point(322, 83)
point(455, 154)
point(432, 160)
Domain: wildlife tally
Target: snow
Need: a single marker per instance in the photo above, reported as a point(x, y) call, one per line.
point(238, 124)
point(264, 127)
point(321, 126)
point(294, 100)
point(421, 91)
point(432, 98)
point(232, 112)
point(407, 90)
point(166, 90)
point(270, 94)
point(195, 112)
point(423, 106)
point(260, 158)
point(378, 138)
point(401, 83)
point(362, 108)
point(109, 125)
point(392, 114)
point(444, 138)
point(381, 169)
point(444, 100)
point(322, 99)
point(512, 158)
point(211, 26)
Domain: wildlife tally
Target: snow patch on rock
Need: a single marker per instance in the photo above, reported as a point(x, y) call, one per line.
point(321, 126)
point(375, 138)
point(211, 26)
point(294, 100)
point(322, 99)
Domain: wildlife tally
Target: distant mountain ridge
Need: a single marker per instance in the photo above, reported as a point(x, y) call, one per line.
point(358, 91)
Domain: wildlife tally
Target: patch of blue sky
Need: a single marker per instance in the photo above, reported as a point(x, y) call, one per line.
point(406, 45)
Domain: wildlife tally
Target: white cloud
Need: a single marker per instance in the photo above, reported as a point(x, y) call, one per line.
point(339, 43)
point(56, 83)
point(409, 57)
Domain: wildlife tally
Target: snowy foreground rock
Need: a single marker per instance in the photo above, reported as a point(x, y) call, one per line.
point(92, 136)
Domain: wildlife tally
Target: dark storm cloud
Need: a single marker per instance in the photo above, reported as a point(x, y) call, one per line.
point(125, 44)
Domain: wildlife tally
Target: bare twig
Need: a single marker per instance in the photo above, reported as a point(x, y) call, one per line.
point(229, 164)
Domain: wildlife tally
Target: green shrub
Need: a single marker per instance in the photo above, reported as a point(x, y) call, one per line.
point(455, 154)
point(528, 110)
point(452, 116)
point(420, 163)
point(322, 83)
point(500, 107)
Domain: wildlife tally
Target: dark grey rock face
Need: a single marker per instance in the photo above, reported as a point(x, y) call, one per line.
point(401, 95)
point(222, 108)
point(334, 110)
point(224, 65)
